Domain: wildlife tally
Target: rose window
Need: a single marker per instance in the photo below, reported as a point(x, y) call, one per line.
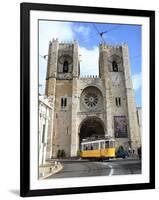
point(91, 100)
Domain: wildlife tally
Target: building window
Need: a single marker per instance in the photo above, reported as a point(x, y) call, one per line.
point(65, 66)
point(43, 134)
point(91, 100)
point(118, 101)
point(115, 66)
point(63, 102)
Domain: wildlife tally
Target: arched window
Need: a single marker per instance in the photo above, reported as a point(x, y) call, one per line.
point(115, 66)
point(65, 102)
point(62, 102)
point(65, 66)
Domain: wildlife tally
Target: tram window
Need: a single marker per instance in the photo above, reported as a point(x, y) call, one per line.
point(107, 144)
point(102, 145)
point(85, 147)
point(95, 146)
point(88, 147)
point(111, 144)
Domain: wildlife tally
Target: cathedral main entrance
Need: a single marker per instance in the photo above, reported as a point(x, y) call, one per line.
point(91, 127)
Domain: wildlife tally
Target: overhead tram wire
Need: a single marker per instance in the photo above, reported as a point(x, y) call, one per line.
point(88, 38)
point(100, 33)
point(94, 35)
point(103, 32)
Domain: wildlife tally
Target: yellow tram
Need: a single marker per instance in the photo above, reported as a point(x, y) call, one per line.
point(98, 149)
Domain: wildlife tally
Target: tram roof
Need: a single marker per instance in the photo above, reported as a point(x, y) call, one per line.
point(97, 139)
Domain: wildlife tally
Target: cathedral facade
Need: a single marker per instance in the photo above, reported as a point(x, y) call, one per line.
point(91, 106)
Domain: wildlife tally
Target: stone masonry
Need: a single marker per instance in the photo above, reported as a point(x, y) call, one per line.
point(91, 106)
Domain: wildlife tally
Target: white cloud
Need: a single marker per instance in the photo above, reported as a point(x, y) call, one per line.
point(136, 78)
point(82, 29)
point(89, 61)
point(47, 31)
point(51, 29)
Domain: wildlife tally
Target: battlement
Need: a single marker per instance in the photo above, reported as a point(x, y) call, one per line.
point(63, 44)
point(89, 77)
point(103, 46)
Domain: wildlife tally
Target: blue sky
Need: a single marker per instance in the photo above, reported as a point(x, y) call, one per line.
point(88, 39)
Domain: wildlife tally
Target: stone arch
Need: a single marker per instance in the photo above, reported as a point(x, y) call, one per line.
point(115, 63)
point(91, 126)
point(95, 86)
point(115, 66)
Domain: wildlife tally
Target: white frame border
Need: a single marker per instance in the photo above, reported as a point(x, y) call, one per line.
point(85, 181)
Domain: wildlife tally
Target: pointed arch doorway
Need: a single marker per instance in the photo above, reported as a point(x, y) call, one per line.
point(91, 127)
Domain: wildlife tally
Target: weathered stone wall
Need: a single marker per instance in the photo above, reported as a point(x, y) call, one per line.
point(59, 85)
point(132, 117)
point(108, 86)
point(119, 84)
point(62, 117)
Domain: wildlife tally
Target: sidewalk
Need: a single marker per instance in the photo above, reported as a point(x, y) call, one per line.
point(49, 168)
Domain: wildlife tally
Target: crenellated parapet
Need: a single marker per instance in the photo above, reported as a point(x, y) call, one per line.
point(103, 46)
point(90, 80)
point(89, 77)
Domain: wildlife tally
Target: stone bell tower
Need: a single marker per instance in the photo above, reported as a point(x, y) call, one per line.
point(121, 117)
point(61, 84)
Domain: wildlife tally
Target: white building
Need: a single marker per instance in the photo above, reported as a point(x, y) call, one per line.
point(45, 128)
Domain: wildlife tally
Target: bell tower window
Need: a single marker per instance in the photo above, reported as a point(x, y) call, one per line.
point(65, 66)
point(115, 66)
point(63, 103)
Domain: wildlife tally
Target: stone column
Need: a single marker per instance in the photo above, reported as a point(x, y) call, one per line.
point(131, 106)
point(108, 96)
point(51, 75)
point(74, 127)
point(108, 105)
